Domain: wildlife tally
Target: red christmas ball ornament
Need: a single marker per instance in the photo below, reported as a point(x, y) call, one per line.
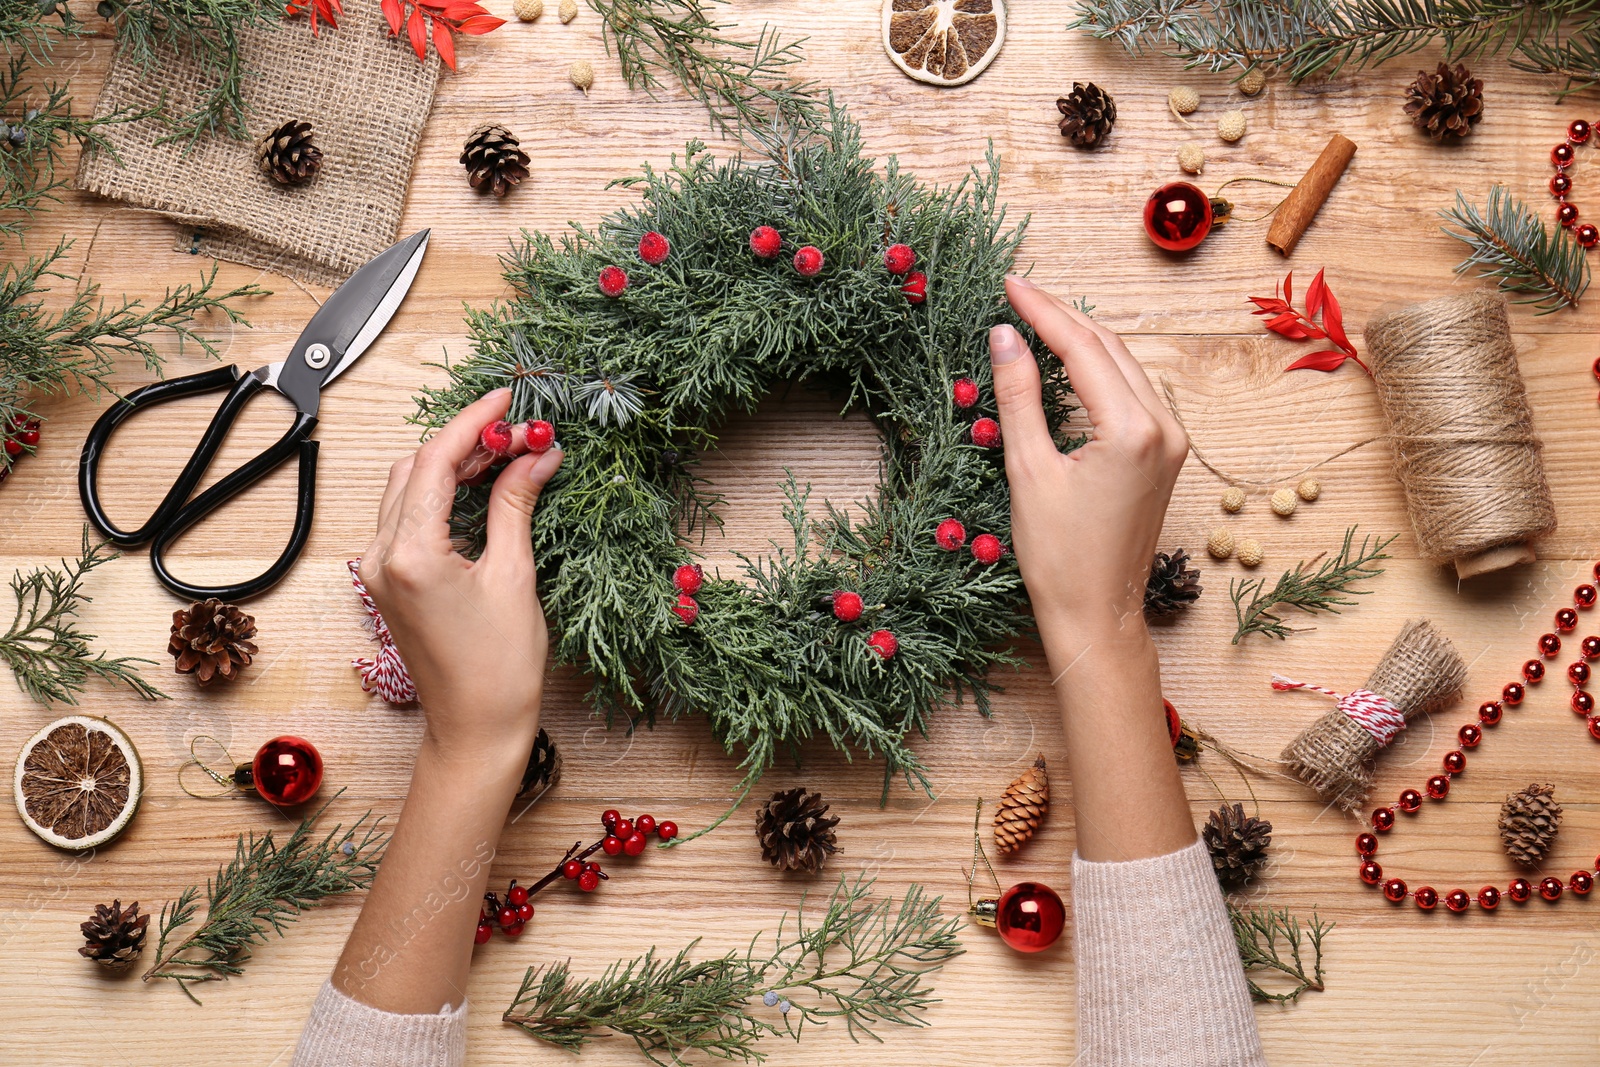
point(987, 549)
point(1582, 702)
point(1438, 787)
point(688, 578)
point(765, 242)
point(286, 771)
point(1178, 216)
point(496, 437)
point(950, 535)
point(1594, 727)
point(916, 287)
point(986, 433)
point(883, 643)
point(1578, 672)
point(964, 393)
point(808, 261)
point(1581, 882)
point(898, 258)
point(653, 248)
point(847, 606)
point(539, 435)
point(613, 280)
point(1029, 916)
point(686, 609)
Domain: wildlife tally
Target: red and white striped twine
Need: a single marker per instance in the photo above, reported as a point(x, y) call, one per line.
point(385, 674)
point(1373, 712)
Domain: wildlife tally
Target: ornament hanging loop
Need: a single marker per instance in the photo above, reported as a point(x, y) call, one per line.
point(982, 911)
point(227, 782)
point(1223, 209)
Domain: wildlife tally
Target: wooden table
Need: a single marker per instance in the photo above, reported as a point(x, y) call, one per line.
point(1403, 986)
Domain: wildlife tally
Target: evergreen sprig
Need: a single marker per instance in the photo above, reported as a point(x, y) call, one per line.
point(46, 649)
point(866, 961)
point(259, 892)
point(1270, 940)
point(1325, 589)
point(1512, 245)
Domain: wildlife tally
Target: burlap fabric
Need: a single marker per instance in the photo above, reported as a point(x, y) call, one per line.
point(1335, 755)
point(367, 98)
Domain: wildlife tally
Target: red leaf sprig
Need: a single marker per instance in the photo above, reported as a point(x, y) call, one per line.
point(444, 18)
point(1284, 320)
point(326, 10)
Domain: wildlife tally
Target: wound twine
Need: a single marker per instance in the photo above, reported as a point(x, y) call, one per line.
point(385, 674)
point(1337, 753)
point(1465, 450)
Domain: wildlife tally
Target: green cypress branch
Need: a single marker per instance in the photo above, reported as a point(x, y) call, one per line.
point(1270, 940)
point(1322, 590)
point(1512, 245)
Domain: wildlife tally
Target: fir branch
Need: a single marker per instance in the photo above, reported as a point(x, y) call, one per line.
point(866, 961)
point(1512, 245)
point(45, 648)
point(1575, 58)
point(262, 890)
point(1322, 590)
point(1270, 940)
point(24, 26)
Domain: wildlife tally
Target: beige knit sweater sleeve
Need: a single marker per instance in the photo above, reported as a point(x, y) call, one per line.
point(1159, 978)
point(343, 1032)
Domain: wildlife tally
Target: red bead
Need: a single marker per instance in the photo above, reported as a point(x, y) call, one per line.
point(1513, 693)
point(1030, 917)
point(1394, 890)
point(985, 433)
point(571, 868)
point(1470, 735)
point(1566, 619)
point(666, 830)
point(1549, 644)
point(1177, 216)
point(517, 895)
point(524, 912)
point(1585, 595)
point(623, 828)
point(1455, 762)
point(613, 280)
point(808, 261)
point(634, 844)
point(950, 535)
point(1578, 672)
point(507, 915)
point(1561, 184)
point(645, 824)
point(987, 549)
point(884, 643)
point(1371, 872)
point(1426, 897)
point(653, 248)
point(847, 606)
point(1489, 712)
point(964, 393)
point(1438, 787)
point(1550, 888)
point(539, 435)
point(1366, 845)
point(687, 609)
point(287, 771)
point(687, 579)
point(1383, 819)
point(588, 881)
point(897, 258)
point(1590, 647)
point(1587, 235)
point(1533, 671)
point(1519, 890)
point(1594, 727)
point(1582, 702)
point(609, 818)
point(765, 242)
point(483, 933)
point(1457, 900)
point(1581, 882)
point(514, 930)
point(1578, 131)
point(1410, 800)
point(1566, 214)
point(1488, 898)
point(612, 845)
point(1561, 155)
point(915, 290)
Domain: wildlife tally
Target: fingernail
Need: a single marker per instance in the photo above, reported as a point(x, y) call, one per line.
point(1020, 280)
point(1003, 345)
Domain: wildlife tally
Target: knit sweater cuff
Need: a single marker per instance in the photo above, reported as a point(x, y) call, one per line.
point(1159, 977)
point(343, 1032)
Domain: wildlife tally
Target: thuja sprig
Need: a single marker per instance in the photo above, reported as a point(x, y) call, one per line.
point(1512, 245)
point(867, 960)
point(259, 892)
point(46, 649)
point(1271, 941)
point(1324, 589)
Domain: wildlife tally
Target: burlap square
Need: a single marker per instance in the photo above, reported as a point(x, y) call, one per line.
point(366, 97)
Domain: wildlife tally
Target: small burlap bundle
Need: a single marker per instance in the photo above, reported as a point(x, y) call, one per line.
point(1465, 450)
point(1336, 754)
point(366, 97)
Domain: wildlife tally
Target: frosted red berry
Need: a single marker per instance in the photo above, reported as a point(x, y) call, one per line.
point(898, 258)
point(645, 824)
point(883, 643)
point(987, 549)
point(612, 845)
point(687, 609)
point(765, 242)
point(986, 433)
point(808, 261)
point(496, 437)
point(613, 280)
point(847, 606)
point(634, 844)
point(950, 534)
point(653, 248)
point(539, 435)
point(688, 578)
point(964, 393)
point(589, 881)
point(571, 868)
point(666, 830)
point(915, 289)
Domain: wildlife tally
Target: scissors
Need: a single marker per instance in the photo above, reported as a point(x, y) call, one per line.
point(335, 338)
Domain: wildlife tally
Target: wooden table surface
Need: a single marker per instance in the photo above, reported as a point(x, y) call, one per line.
point(1403, 986)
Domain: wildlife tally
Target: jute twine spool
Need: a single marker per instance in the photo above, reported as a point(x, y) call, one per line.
point(1465, 451)
point(1336, 754)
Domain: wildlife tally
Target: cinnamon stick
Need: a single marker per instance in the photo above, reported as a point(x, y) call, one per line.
point(1306, 198)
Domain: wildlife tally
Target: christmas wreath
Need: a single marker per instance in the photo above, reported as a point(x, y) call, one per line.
point(636, 339)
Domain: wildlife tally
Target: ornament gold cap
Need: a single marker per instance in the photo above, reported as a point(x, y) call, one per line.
point(985, 911)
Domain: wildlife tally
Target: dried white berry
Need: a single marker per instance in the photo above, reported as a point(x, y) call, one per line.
point(582, 75)
point(1220, 543)
point(1309, 489)
point(1192, 158)
point(1250, 552)
point(1230, 127)
point(1254, 80)
point(1183, 100)
point(568, 10)
point(1283, 502)
point(1233, 499)
point(527, 10)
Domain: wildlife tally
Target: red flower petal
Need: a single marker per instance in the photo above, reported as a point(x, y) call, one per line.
point(444, 43)
point(1325, 360)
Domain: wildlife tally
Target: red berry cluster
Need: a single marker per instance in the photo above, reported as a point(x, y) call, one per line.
point(687, 579)
point(767, 243)
point(848, 607)
point(22, 435)
point(964, 395)
point(511, 916)
point(653, 249)
point(950, 535)
point(502, 440)
point(898, 259)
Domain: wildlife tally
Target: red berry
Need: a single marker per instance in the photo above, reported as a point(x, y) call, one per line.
point(950, 534)
point(612, 844)
point(634, 844)
point(613, 280)
point(507, 916)
point(897, 259)
point(13, 446)
point(688, 578)
point(883, 643)
point(653, 248)
point(623, 829)
point(667, 830)
point(686, 609)
point(517, 895)
point(964, 392)
point(986, 433)
point(609, 818)
point(588, 881)
point(571, 868)
point(846, 606)
point(645, 824)
point(485, 931)
point(496, 437)
point(539, 435)
point(915, 289)
point(987, 549)
point(524, 912)
point(592, 866)
point(514, 930)
point(30, 436)
point(765, 242)
point(808, 261)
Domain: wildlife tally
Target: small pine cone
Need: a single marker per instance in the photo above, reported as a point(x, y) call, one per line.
point(795, 831)
point(1172, 586)
point(1233, 500)
point(114, 937)
point(1238, 845)
point(1308, 489)
point(1220, 543)
point(1528, 823)
point(544, 767)
point(1254, 80)
point(494, 159)
point(1183, 100)
point(1447, 103)
point(1023, 808)
point(1191, 158)
point(582, 75)
point(1251, 554)
point(1284, 502)
point(211, 640)
point(1088, 114)
point(1231, 126)
point(527, 10)
point(287, 156)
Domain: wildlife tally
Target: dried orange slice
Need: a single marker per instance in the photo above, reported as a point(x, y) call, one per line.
point(943, 42)
point(78, 782)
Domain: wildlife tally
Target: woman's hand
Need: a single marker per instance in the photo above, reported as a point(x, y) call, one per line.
point(471, 632)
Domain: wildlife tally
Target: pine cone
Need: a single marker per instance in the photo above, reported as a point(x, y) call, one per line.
point(544, 767)
point(1023, 808)
point(211, 640)
point(1528, 823)
point(114, 937)
point(795, 831)
point(1238, 845)
point(287, 155)
point(1446, 103)
point(493, 159)
point(1088, 114)
point(1173, 585)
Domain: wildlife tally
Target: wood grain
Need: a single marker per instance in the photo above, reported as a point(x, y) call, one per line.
point(1404, 987)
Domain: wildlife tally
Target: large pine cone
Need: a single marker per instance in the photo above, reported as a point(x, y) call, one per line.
point(112, 936)
point(1528, 823)
point(1088, 113)
point(287, 156)
point(494, 160)
point(1023, 808)
point(1238, 845)
point(1173, 585)
point(211, 640)
point(1446, 103)
point(795, 831)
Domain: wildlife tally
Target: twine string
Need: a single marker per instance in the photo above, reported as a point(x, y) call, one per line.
point(194, 760)
point(1373, 712)
point(385, 673)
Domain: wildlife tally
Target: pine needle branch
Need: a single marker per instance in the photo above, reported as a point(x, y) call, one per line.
point(1512, 245)
point(259, 892)
point(1322, 590)
point(1270, 940)
point(46, 649)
